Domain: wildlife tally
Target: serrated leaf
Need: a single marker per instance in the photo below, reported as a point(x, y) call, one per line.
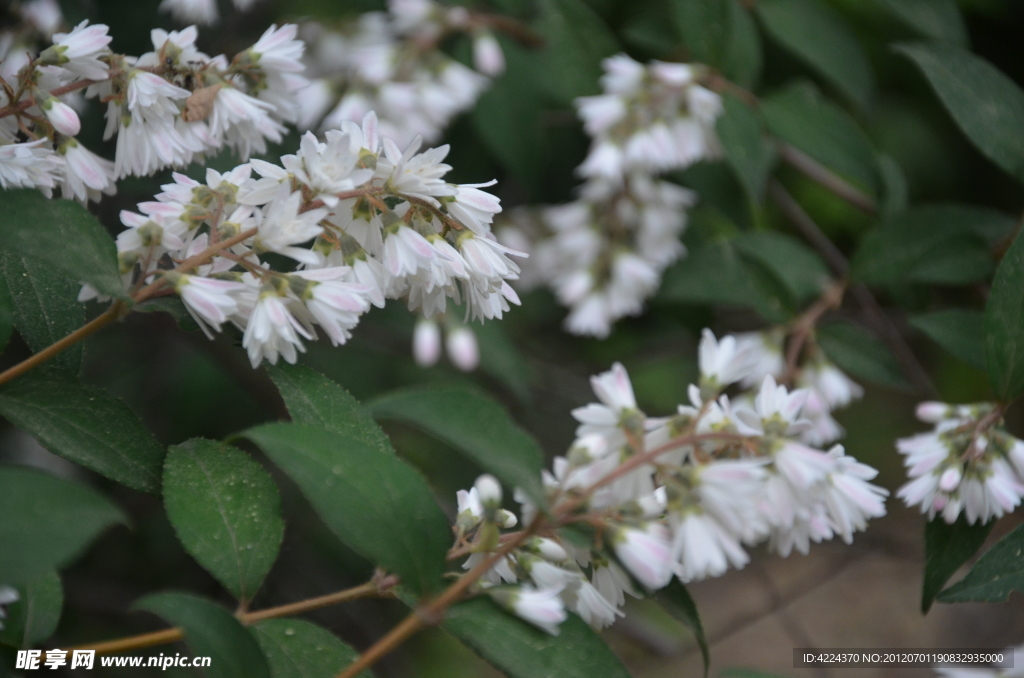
point(749, 153)
point(34, 616)
point(743, 58)
point(959, 331)
point(947, 547)
point(704, 26)
point(677, 602)
point(986, 104)
point(47, 522)
point(46, 308)
point(474, 425)
point(86, 425)
point(300, 649)
point(1004, 325)
point(374, 502)
point(226, 511)
point(37, 227)
point(210, 631)
point(857, 351)
point(936, 19)
point(800, 270)
point(821, 38)
point(998, 572)
point(575, 41)
point(312, 398)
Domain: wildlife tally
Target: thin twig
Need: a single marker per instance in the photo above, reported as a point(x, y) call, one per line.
point(826, 177)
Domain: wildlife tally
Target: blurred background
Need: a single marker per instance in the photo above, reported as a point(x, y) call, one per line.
point(183, 385)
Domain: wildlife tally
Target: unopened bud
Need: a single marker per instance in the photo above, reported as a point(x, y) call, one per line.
point(426, 343)
point(506, 519)
point(548, 549)
point(487, 55)
point(950, 479)
point(61, 116)
point(463, 350)
point(932, 412)
point(489, 491)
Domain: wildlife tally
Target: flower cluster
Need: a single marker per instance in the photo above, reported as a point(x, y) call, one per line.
point(392, 63)
point(603, 255)
point(968, 463)
point(652, 498)
point(202, 12)
point(167, 107)
point(361, 219)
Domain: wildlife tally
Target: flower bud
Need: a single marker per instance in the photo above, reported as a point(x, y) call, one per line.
point(647, 553)
point(950, 479)
point(548, 549)
point(462, 348)
point(61, 116)
point(487, 55)
point(932, 412)
point(544, 608)
point(426, 343)
point(489, 491)
point(506, 519)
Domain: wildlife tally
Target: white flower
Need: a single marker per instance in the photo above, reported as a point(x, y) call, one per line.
point(473, 208)
point(335, 305)
point(278, 50)
point(618, 405)
point(202, 12)
point(44, 15)
point(244, 122)
point(612, 583)
point(79, 51)
point(462, 348)
point(426, 342)
point(487, 55)
point(489, 491)
point(837, 389)
point(327, 168)
point(284, 226)
point(723, 362)
point(776, 411)
point(543, 608)
point(30, 165)
point(405, 253)
point(8, 595)
point(61, 116)
point(416, 174)
point(703, 548)
point(209, 301)
point(646, 553)
point(592, 607)
point(86, 175)
point(273, 330)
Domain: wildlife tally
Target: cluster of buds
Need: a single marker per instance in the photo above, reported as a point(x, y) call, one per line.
point(392, 63)
point(460, 343)
point(603, 255)
point(682, 495)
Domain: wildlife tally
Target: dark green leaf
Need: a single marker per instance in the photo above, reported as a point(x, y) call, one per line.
point(743, 61)
point(677, 601)
point(374, 502)
point(575, 41)
point(894, 186)
point(800, 270)
point(1004, 325)
point(46, 308)
point(86, 425)
point(501, 359)
point(34, 616)
point(748, 152)
point(947, 547)
point(936, 19)
point(173, 306)
point(998, 572)
point(986, 104)
point(312, 398)
point(474, 425)
point(210, 631)
point(226, 511)
point(299, 649)
point(36, 227)
point(959, 331)
point(858, 352)
point(704, 25)
point(6, 311)
point(47, 522)
point(820, 37)
point(822, 130)
point(650, 27)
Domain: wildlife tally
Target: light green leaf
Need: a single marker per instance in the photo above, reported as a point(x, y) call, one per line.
point(47, 522)
point(86, 425)
point(210, 631)
point(749, 153)
point(936, 19)
point(947, 547)
point(959, 331)
point(986, 104)
point(677, 602)
point(474, 425)
point(998, 572)
point(816, 34)
point(374, 502)
point(46, 308)
point(226, 510)
point(704, 25)
point(1004, 325)
point(34, 616)
point(857, 351)
point(312, 398)
point(743, 60)
point(36, 227)
point(299, 649)
point(575, 41)
point(800, 270)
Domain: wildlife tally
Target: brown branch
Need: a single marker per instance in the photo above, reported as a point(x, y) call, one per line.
point(826, 177)
point(24, 104)
point(805, 324)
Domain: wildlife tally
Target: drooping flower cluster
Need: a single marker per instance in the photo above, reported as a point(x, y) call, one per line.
point(361, 219)
point(167, 107)
point(603, 255)
point(391, 63)
point(967, 464)
point(683, 495)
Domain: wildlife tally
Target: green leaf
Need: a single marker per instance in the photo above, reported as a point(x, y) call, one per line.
point(46, 308)
point(6, 312)
point(820, 37)
point(677, 601)
point(86, 425)
point(501, 359)
point(894, 186)
point(226, 510)
point(936, 19)
point(210, 631)
point(743, 60)
point(575, 41)
point(299, 649)
point(704, 25)
point(374, 502)
point(947, 547)
point(474, 425)
point(47, 522)
point(749, 153)
point(959, 331)
point(312, 398)
point(800, 270)
point(521, 651)
point(857, 351)
point(36, 227)
point(998, 572)
point(986, 104)
point(799, 115)
point(34, 616)
point(1004, 325)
